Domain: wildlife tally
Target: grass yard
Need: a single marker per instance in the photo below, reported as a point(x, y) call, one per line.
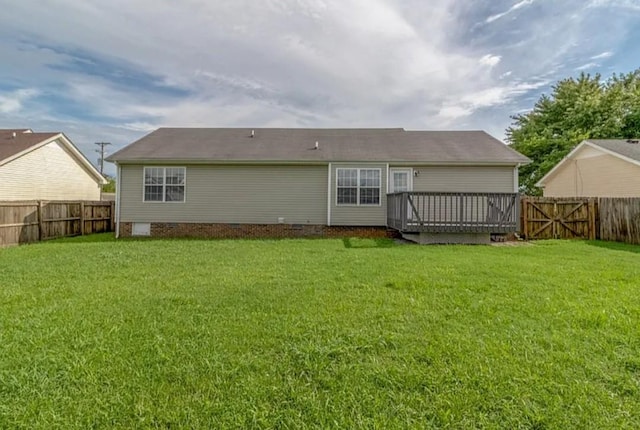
point(295, 334)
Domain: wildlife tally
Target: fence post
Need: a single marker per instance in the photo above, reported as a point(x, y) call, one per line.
point(592, 219)
point(39, 209)
point(596, 215)
point(82, 218)
point(112, 215)
point(525, 221)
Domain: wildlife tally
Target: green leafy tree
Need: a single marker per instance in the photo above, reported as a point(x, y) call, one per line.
point(586, 107)
point(110, 186)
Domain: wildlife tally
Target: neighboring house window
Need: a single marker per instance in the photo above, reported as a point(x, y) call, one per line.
point(358, 186)
point(164, 184)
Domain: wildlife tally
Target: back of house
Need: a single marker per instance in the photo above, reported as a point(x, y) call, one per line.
point(236, 182)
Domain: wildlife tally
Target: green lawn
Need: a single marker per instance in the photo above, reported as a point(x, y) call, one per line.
point(97, 333)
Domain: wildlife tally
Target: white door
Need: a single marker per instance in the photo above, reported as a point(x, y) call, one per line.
point(400, 180)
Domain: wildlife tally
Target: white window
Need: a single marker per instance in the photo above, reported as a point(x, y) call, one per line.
point(358, 186)
point(164, 184)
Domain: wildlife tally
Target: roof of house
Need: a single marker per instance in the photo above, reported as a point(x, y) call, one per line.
point(299, 145)
point(10, 145)
point(626, 149)
point(14, 143)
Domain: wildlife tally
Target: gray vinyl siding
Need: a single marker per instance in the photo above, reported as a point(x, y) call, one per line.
point(470, 179)
point(233, 194)
point(362, 215)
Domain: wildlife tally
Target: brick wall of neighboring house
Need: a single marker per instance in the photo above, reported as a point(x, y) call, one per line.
point(248, 231)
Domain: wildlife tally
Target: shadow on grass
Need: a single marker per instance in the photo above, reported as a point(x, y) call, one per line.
point(616, 246)
point(362, 243)
point(351, 243)
point(90, 238)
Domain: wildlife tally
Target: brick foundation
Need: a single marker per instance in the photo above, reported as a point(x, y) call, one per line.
point(254, 231)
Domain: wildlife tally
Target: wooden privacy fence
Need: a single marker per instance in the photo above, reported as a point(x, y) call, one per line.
point(605, 218)
point(619, 219)
point(559, 218)
point(33, 221)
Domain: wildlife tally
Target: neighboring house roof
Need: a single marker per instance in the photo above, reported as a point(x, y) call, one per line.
point(625, 149)
point(298, 145)
point(10, 146)
point(18, 142)
point(620, 147)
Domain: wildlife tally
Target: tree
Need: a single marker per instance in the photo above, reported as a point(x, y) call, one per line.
point(578, 108)
point(110, 186)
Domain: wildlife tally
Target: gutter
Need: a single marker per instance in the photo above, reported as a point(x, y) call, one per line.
point(117, 214)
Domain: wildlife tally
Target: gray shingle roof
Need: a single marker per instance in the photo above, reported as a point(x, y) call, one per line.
point(297, 145)
point(620, 146)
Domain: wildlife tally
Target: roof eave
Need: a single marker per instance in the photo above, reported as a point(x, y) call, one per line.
point(67, 144)
point(318, 162)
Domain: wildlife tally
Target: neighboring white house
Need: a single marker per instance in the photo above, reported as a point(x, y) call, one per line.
point(596, 168)
point(45, 166)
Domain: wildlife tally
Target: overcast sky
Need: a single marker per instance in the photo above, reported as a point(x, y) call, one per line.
point(115, 70)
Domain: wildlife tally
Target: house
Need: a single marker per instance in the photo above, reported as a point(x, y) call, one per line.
point(45, 166)
point(596, 168)
point(233, 182)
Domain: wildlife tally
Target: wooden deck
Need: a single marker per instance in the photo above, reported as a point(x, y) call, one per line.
point(416, 211)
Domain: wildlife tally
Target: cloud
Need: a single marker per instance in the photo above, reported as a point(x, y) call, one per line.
point(512, 9)
point(490, 60)
point(602, 55)
point(625, 4)
point(304, 63)
point(488, 97)
point(139, 126)
point(586, 66)
point(13, 102)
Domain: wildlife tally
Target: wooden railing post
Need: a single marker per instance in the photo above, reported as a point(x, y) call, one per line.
point(460, 210)
point(404, 202)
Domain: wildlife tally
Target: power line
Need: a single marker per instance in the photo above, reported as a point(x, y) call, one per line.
point(101, 152)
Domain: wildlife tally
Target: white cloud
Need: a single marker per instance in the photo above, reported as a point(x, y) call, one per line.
point(13, 102)
point(513, 8)
point(139, 126)
point(334, 63)
point(488, 97)
point(602, 55)
point(454, 112)
point(586, 66)
point(626, 4)
point(490, 60)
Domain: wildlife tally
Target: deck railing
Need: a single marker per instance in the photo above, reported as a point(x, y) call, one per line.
point(417, 211)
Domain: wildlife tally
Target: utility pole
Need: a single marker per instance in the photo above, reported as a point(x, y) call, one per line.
point(101, 152)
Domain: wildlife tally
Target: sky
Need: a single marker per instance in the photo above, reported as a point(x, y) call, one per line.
point(115, 70)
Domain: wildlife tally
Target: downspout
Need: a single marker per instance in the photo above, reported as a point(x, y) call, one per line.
point(329, 197)
point(117, 214)
point(515, 179)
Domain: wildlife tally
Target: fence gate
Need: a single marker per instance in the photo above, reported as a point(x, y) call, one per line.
point(559, 218)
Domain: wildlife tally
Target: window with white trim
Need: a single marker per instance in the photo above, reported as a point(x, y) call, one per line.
point(164, 184)
point(358, 186)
